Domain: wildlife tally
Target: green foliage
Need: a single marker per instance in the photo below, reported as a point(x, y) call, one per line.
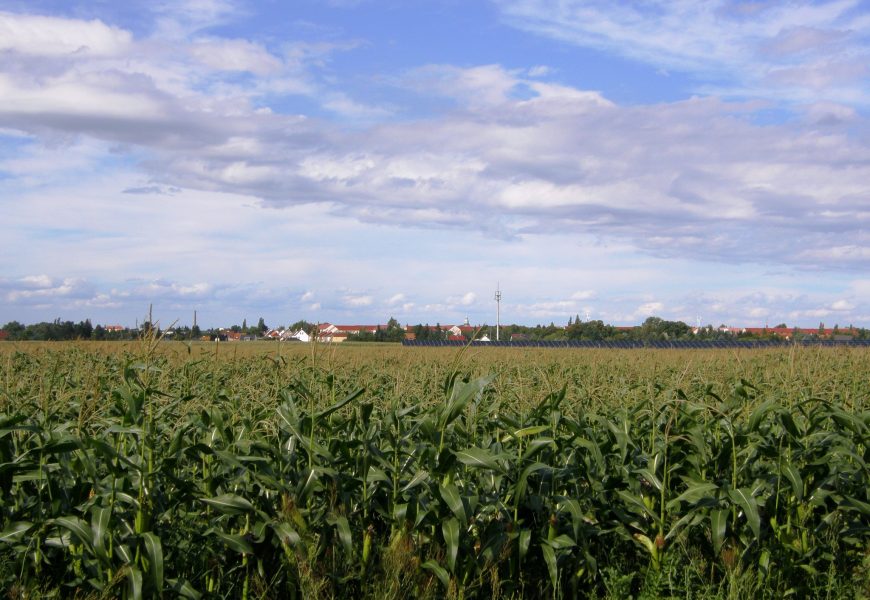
point(191, 475)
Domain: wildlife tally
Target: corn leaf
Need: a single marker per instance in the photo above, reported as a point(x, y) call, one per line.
point(15, 531)
point(230, 504)
point(154, 552)
point(744, 499)
point(718, 526)
point(450, 495)
point(450, 530)
point(480, 458)
point(439, 571)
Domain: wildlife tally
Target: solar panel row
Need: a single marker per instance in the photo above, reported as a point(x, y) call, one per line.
point(678, 344)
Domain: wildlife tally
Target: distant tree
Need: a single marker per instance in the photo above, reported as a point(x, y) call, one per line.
point(303, 324)
point(780, 326)
point(394, 331)
point(15, 330)
point(589, 330)
point(245, 325)
point(261, 326)
point(656, 328)
point(84, 329)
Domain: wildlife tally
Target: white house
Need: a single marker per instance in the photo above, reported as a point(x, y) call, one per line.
point(302, 336)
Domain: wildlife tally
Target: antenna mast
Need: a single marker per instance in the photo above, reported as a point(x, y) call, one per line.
point(497, 310)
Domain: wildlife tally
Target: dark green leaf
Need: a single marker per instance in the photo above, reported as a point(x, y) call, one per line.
point(744, 499)
point(478, 458)
point(450, 495)
point(439, 571)
point(15, 531)
point(235, 542)
point(154, 552)
point(450, 529)
point(230, 504)
point(718, 525)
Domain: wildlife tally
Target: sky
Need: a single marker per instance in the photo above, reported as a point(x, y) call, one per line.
point(354, 160)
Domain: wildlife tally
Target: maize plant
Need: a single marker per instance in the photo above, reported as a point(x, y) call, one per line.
point(149, 473)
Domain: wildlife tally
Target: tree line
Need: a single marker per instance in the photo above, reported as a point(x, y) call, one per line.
point(652, 329)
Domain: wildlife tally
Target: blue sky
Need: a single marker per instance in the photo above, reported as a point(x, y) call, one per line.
point(354, 160)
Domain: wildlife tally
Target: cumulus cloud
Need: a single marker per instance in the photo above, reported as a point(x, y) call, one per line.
point(37, 288)
point(35, 35)
point(357, 301)
point(396, 299)
point(696, 177)
point(842, 305)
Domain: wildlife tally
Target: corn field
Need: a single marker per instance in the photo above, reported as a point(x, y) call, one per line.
point(264, 471)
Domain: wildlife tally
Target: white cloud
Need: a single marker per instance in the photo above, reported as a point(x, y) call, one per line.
point(687, 178)
point(842, 305)
point(396, 299)
point(540, 71)
point(649, 309)
point(583, 295)
point(357, 301)
point(41, 289)
point(800, 50)
point(235, 55)
point(52, 36)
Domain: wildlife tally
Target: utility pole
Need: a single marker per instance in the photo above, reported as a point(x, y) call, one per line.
point(497, 311)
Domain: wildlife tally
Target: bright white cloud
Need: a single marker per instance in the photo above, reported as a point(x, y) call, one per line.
point(51, 36)
point(842, 305)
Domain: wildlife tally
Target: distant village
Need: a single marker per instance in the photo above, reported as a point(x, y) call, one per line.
point(652, 329)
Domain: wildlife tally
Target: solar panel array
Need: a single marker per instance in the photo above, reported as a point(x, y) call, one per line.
point(628, 344)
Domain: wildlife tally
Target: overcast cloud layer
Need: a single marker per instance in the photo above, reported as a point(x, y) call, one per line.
point(360, 160)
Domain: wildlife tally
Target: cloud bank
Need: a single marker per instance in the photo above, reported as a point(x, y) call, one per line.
point(503, 153)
